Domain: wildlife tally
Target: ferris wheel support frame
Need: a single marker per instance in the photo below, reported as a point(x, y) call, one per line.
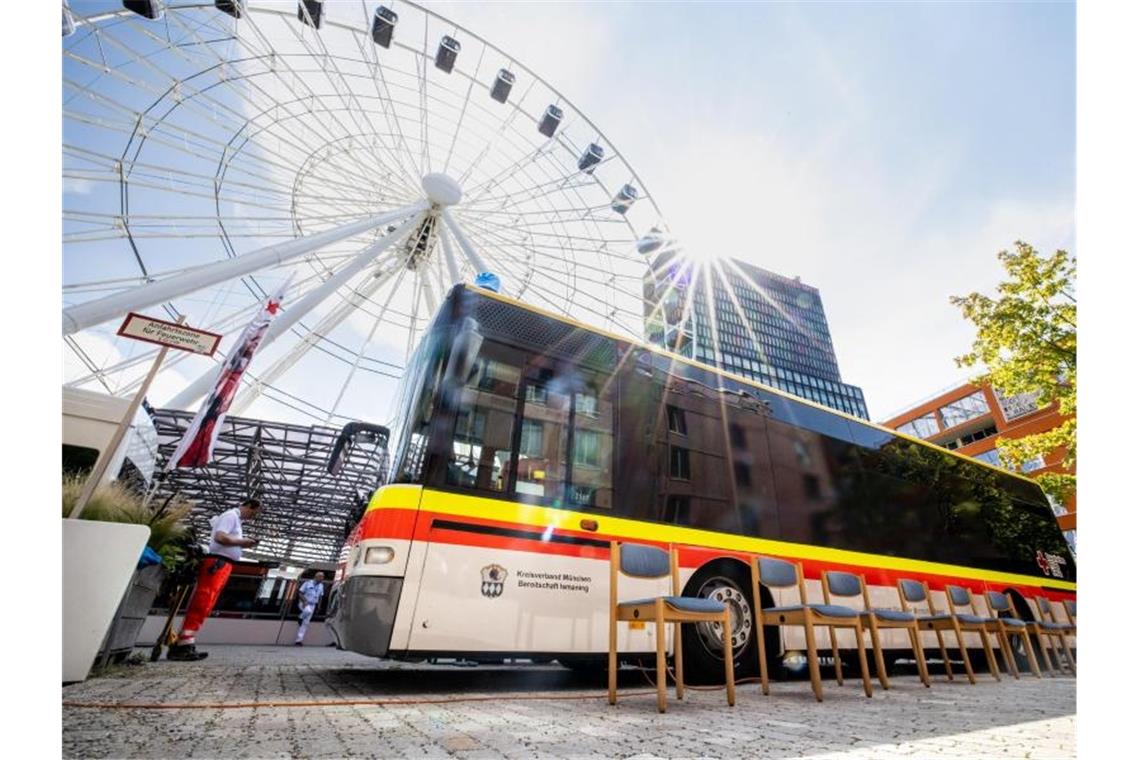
point(291, 315)
point(91, 313)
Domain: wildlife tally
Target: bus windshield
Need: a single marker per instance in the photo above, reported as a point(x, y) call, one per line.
point(415, 401)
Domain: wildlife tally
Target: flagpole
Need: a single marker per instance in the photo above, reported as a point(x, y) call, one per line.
point(108, 453)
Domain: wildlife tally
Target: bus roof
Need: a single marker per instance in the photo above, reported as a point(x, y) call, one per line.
point(738, 378)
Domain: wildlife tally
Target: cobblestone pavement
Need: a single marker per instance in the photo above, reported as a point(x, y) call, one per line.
point(1029, 718)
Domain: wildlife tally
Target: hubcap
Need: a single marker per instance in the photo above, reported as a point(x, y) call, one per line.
point(711, 635)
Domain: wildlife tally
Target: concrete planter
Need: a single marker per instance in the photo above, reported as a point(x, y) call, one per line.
point(99, 559)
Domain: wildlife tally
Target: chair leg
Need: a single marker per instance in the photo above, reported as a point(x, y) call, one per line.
point(679, 661)
point(1068, 653)
point(991, 661)
point(965, 655)
point(919, 654)
point(729, 673)
point(660, 659)
point(862, 658)
point(763, 654)
point(835, 655)
point(813, 658)
point(880, 663)
point(1048, 652)
point(945, 656)
point(612, 665)
point(1007, 656)
point(1030, 653)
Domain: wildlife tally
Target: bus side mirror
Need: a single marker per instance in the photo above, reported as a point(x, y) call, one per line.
point(352, 435)
point(464, 350)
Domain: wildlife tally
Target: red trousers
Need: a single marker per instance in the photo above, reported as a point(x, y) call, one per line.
point(213, 572)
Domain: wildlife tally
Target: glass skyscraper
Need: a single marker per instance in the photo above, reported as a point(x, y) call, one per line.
point(761, 325)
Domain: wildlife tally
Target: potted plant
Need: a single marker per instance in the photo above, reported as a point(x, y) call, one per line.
point(118, 503)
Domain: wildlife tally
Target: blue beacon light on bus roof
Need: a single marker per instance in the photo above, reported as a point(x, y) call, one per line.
point(488, 280)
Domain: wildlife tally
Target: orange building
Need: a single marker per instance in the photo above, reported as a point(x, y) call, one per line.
point(970, 418)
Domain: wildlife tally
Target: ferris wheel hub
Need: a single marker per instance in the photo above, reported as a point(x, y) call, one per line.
point(441, 189)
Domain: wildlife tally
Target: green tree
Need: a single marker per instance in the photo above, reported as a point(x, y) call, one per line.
point(1027, 343)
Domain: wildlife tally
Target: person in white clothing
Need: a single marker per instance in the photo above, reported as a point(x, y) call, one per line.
point(308, 598)
point(226, 543)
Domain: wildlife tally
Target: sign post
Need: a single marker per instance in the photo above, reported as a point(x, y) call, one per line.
point(168, 335)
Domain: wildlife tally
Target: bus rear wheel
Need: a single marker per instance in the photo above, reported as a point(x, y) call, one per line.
point(704, 642)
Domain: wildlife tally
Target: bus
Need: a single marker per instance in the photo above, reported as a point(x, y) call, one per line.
point(524, 443)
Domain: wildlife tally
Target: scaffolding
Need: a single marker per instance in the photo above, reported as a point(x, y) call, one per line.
point(306, 513)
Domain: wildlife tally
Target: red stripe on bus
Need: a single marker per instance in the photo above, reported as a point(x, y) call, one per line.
point(403, 524)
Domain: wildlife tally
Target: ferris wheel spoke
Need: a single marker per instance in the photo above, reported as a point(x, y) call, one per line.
point(324, 326)
point(311, 300)
point(449, 255)
point(100, 310)
point(464, 243)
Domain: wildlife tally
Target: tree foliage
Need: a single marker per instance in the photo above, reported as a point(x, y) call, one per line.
point(1027, 344)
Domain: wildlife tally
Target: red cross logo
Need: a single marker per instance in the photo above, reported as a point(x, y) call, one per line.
point(1043, 563)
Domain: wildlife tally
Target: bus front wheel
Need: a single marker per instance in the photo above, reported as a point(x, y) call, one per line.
point(727, 583)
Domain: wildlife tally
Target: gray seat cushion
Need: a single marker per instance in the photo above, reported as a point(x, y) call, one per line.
point(1013, 622)
point(895, 615)
point(1054, 626)
point(961, 618)
point(973, 619)
point(830, 610)
point(681, 603)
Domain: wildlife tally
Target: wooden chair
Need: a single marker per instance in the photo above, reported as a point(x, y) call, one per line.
point(777, 573)
point(640, 561)
point(1049, 628)
point(1007, 627)
point(914, 592)
point(849, 585)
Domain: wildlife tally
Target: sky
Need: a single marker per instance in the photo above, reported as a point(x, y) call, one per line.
point(883, 152)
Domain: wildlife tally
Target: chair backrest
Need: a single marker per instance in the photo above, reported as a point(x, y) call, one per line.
point(837, 583)
point(998, 603)
point(641, 561)
point(957, 596)
point(779, 573)
point(1071, 609)
point(1045, 609)
point(912, 593)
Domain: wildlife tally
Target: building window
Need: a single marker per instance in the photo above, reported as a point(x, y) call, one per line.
point(923, 427)
point(964, 409)
point(530, 445)
point(587, 449)
point(736, 436)
point(677, 421)
point(678, 463)
point(989, 457)
point(1036, 463)
point(743, 474)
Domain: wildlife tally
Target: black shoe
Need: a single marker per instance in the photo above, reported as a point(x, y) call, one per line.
point(185, 653)
point(298, 644)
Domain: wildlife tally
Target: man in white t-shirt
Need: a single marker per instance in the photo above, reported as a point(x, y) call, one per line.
point(308, 597)
point(226, 543)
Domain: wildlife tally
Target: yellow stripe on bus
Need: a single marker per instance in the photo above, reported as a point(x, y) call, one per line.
point(479, 507)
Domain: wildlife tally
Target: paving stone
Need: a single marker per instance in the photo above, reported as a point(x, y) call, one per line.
point(1029, 718)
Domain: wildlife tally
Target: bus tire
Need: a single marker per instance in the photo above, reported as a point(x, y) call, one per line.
point(726, 581)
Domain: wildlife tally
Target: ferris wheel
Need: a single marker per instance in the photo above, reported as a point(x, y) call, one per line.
point(370, 156)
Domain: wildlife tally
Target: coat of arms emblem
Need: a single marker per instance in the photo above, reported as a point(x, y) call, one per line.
point(493, 578)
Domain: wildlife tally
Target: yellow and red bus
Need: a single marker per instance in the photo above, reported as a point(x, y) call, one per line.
point(526, 442)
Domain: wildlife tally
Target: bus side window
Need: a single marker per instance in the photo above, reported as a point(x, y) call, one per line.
point(591, 480)
point(542, 442)
point(484, 422)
